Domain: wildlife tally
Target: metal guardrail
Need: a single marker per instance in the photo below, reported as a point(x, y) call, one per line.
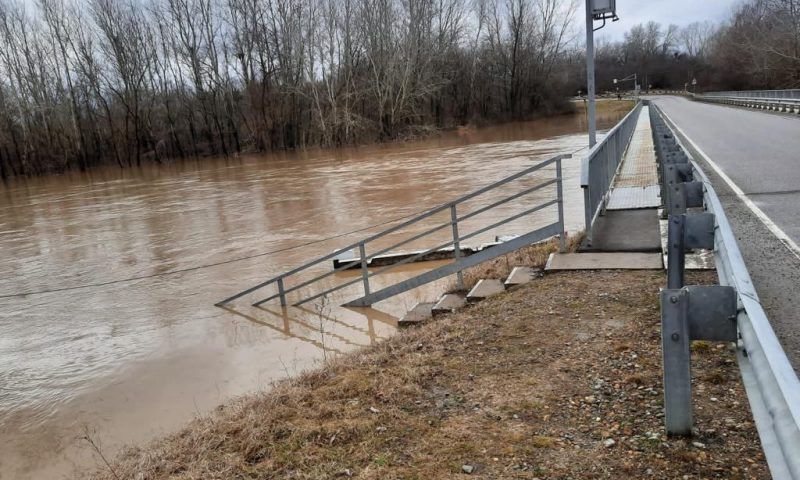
point(600, 166)
point(793, 93)
point(727, 312)
point(777, 100)
point(369, 297)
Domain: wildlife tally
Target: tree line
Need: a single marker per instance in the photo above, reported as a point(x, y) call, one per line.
point(90, 82)
point(84, 83)
point(758, 48)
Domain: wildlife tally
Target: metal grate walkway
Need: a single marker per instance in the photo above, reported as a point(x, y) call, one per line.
point(636, 185)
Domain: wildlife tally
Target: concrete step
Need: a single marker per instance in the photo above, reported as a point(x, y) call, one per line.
point(604, 261)
point(521, 275)
point(421, 312)
point(449, 303)
point(484, 289)
point(626, 231)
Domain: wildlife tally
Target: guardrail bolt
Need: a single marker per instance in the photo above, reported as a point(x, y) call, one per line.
point(673, 299)
point(675, 337)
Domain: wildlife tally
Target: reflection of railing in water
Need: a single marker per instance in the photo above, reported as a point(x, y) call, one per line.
point(309, 332)
point(460, 263)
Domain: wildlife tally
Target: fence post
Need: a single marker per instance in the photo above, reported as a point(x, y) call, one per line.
point(364, 271)
point(562, 238)
point(457, 244)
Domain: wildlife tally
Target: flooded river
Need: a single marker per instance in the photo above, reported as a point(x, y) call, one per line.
point(108, 278)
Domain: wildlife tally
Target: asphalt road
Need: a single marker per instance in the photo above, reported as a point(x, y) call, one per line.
point(760, 153)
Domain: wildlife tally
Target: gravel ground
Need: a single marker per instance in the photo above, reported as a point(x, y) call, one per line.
point(557, 379)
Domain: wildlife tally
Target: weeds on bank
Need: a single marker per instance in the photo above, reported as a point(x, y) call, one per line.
point(534, 256)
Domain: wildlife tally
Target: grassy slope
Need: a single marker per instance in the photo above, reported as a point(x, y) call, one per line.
point(526, 385)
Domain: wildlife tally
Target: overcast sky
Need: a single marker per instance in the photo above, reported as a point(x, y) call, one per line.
point(679, 12)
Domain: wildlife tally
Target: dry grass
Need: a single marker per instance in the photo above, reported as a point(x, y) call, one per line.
point(528, 384)
point(531, 256)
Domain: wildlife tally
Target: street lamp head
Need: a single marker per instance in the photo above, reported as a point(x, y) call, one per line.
point(615, 81)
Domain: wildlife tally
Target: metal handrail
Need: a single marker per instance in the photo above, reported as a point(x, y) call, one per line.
point(600, 166)
point(363, 259)
point(772, 386)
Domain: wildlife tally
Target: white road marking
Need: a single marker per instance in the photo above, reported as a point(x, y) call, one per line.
point(773, 228)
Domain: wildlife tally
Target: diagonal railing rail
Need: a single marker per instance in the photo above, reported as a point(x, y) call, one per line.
point(282, 289)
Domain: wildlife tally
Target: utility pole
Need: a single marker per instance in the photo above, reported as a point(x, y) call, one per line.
point(590, 72)
point(595, 10)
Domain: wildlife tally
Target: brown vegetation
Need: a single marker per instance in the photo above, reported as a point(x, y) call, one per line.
point(84, 83)
point(560, 378)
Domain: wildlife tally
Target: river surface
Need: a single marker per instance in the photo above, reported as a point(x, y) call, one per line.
point(108, 279)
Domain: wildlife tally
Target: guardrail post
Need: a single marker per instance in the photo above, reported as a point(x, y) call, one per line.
point(562, 237)
point(362, 250)
point(677, 367)
point(457, 244)
point(707, 317)
point(675, 251)
point(281, 291)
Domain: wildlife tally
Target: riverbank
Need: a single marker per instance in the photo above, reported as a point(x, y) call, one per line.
point(155, 160)
point(560, 378)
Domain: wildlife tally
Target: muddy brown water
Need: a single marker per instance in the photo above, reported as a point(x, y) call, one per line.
point(137, 351)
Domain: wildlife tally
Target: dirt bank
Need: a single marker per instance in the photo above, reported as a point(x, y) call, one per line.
point(557, 379)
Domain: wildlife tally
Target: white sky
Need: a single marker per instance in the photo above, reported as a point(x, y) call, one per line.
point(679, 12)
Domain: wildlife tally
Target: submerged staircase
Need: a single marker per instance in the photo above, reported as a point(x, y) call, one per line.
point(372, 251)
point(451, 302)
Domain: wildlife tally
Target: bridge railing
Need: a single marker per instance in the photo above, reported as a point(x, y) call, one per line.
point(601, 164)
point(730, 311)
point(777, 100)
point(787, 93)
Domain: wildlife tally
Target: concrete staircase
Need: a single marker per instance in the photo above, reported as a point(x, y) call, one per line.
point(451, 302)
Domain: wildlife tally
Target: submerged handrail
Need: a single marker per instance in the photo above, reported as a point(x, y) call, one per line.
point(363, 258)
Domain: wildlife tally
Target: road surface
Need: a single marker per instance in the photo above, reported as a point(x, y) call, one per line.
point(758, 155)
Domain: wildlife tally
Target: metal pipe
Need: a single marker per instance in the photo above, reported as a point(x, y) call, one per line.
point(362, 250)
point(590, 73)
point(562, 240)
point(456, 245)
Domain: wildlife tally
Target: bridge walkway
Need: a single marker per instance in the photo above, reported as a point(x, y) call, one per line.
point(630, 222)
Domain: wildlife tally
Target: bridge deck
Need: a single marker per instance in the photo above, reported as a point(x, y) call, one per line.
point(630, 220)
point(636, 185)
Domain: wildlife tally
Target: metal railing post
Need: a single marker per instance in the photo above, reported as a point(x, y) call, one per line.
point(562, 238)
point(457, 244)
point(587, 201)
point(362, 250)
point(282, 292)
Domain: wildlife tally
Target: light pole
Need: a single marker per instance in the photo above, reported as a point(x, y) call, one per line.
point(590, 72)
point(630, 77)
point(595, 10)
